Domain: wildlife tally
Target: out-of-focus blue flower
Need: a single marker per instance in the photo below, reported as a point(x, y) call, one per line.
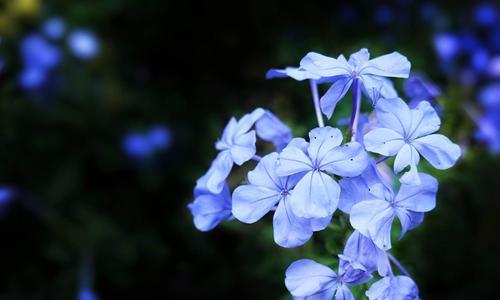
point(87, 294)
point(307, 279)
point(369, 73)
point(447, 46)
point(393, 288)
point(489, 130)
point(485, 14)
point(407, 133)
point(6, 195)
point(54, 28)
point(480, 60)
point(417, 88)
point(39, 58)
point(84, 44)
point(316, 195)
point(490, 97)
point(383, 15)
point(268, 191)
point(160, 137)
point(140, 145)
point(137, 145)
point(494, 67)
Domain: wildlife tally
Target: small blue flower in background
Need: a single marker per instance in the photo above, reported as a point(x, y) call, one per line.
point(87, 294)
point(6, 196)
point(84, 44)
point(480, 60)
point(39, 58)
point(374, 216)
point(316, 195)
point(268, 191)
point(370, 73)
point(209, 209)
point(139, 145)
point(489, 130)
point(490, 97)
point(54, 28)
point(393, 288)
point(407, 133)
point(418, 88)
point(307, 279)
point(447, 46)
point(486, 14)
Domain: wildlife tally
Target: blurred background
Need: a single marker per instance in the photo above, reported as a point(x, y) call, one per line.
point(109, 110)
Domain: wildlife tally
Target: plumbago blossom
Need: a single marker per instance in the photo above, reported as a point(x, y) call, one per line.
point(303, 182)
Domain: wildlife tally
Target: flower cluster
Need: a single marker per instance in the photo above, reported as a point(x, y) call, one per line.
point(304, 181)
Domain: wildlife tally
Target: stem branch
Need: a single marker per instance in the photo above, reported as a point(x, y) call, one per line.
point(314, 92)
point(397, 264)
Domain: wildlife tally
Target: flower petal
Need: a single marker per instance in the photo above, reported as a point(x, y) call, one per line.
point(407, 156)
point(271, 129)
point(383, 141)
point(418, 198)
point(394, 287)
point(247, 121)
point(376, 87)
point(323, 140)
point(292, 160)
point(343, 293)
point(438, 150)
point(295, 73)
point(394, 114)
point(315, 196)
point(374, 218)
point(289, 230)
point(360, 58)
point(409, 220)
point(209, 210)
point(390, 65)
point(324, 66)
point(264, 173)
point(218, 172)
point(335, 93)
point(243, 148)
point(306, 277)
point(251, 202)
point(427, 121)
point(347, 160)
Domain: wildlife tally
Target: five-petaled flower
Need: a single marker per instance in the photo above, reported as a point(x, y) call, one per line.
point(316, 195)
point(359, 69)
point(406, 133)
point(393, 288)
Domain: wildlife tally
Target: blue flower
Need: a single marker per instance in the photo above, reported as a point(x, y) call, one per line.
point(39, 58)
point(393, 288)
point(418, 89)
point(268, 191)
point(490, 97)
point(374, 216)
point(6, 196)
point(87, 294)
point(84, 44)
point(54, 28)
point(160, 137)
point(489, 130)
point(362, 253)
point(447, 46)
point(316, 195)
point(370, 74)
point(271, 129)
point(406, 133)
point(209, 209)
point(307, 279)
point(141, 146)
point(486, 14)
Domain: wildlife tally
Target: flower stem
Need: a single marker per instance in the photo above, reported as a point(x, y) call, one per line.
point(256, 157)
point(356, 107)
point(314, 92)
point(397, 264)
point(383, 158)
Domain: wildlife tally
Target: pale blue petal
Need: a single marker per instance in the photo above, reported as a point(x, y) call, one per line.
point(390, 65)
point(374, 218)
point(321, 141)
point(394, 114)
point(418, 198)
point(289, 230)
point(271, 129)
point(407, 156)
point(360, 58)
point(227, 135)
point(315, 196)
point(318, 224)
point(209, 210)
point(295, 73)
point(325, 295)
point(251, 203)
point(427, 122)
point(306, 277)
point(438, 150)
point(264, 173)
point(324, 66)
point(243, 148)
point(248, 120)
point(347, 160)
point(343, 293)
point(383, 141)
point(218, 172)
point(300, 143)
point(361, 252)
point(393, 288)
point(378, 87)
point(408, 219)
point(293, 160)
point(335, 93)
